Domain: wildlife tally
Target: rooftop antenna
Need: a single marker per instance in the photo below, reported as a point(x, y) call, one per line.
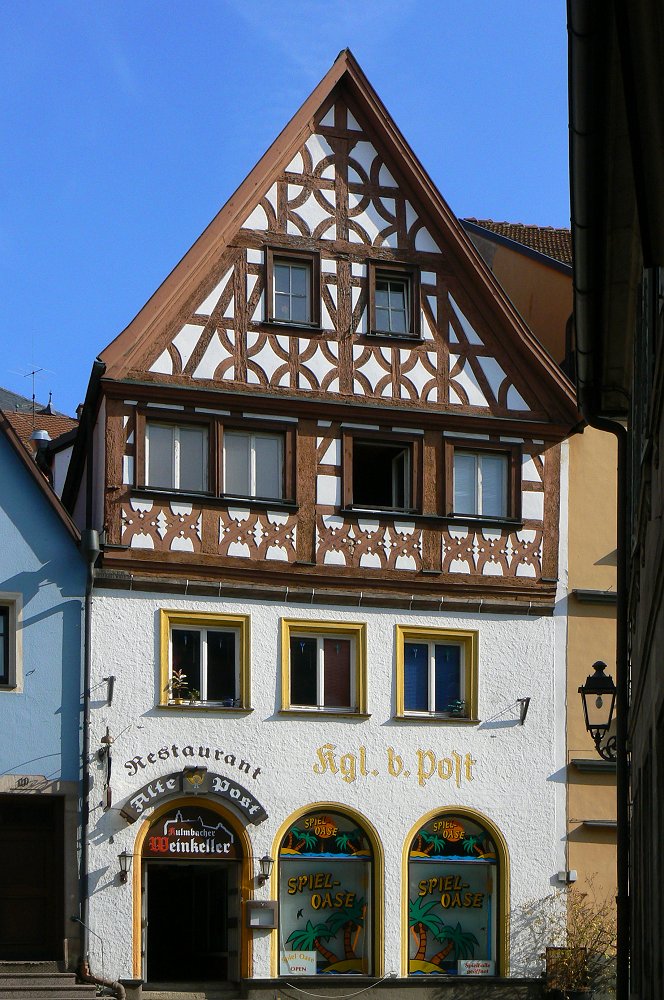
point(35, 371)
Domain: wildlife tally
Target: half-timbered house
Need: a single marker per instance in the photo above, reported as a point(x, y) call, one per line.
point(327, 458)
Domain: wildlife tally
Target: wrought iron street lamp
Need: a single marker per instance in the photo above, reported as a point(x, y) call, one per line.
point(598, 695)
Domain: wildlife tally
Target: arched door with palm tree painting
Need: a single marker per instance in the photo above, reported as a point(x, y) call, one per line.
point(325, 896)
point(453, 889)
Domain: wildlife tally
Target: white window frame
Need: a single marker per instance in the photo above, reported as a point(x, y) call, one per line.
point(292, 264)
point(356, 633)
point(175, 453)
point(13, 604)
point(405, 282)
point(478, 456)
point(431, 645)
point(252, 435)
point(203, 667)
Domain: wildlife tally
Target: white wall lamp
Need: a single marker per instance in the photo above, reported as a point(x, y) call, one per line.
point(125, 859)
point(266, 863)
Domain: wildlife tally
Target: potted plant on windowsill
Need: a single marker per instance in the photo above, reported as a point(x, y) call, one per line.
point(194, 696)
point(177, 687)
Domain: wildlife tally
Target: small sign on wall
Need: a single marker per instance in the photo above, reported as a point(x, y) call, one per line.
point(297, 963)
point(475, 967)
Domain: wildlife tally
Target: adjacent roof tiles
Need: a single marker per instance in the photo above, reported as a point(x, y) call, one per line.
point(555, 243)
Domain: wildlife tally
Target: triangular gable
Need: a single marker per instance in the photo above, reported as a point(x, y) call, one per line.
point(341, 178)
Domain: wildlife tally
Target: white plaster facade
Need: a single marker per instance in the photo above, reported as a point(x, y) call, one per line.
point(517, 770)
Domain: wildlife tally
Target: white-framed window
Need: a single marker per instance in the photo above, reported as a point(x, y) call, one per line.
point(254, 464)
point(176, 456)
point(292, 291)
point(436, 672)
point(323, 666)
point(10, 640)
point(392, 309)
point(293, 287)
point(205, 659)
point(481, 483)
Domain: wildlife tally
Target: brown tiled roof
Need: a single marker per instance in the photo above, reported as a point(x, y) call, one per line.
point(55, 423)
point(555, 243)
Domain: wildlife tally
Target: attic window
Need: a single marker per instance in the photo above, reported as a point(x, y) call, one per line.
point(394, 300)
point(293, 288)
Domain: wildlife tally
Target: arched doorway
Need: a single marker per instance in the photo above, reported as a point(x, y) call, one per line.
point(330, 912)
point(192, 873)
point(456, 896)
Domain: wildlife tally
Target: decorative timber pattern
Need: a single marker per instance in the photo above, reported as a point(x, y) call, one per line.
point(338, 197)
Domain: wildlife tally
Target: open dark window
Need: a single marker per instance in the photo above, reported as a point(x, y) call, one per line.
point(382, 475)
point(394, 300)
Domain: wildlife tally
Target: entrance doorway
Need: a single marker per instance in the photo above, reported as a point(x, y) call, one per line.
point(192, 921)
point(31, 877)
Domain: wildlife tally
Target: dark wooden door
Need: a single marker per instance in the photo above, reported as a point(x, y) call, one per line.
point(31, 877)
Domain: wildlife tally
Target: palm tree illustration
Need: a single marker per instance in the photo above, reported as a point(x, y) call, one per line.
point(302, 838)
point(350, 918)
point(422, 920)
point(309, 938)
point(470, 844)
point(343, 840)
point(422, 838)
point(457, 940)
point(434, 841)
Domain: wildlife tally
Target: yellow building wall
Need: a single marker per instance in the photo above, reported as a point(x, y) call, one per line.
point(543, 297)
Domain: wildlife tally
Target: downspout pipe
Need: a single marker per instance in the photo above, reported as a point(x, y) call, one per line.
point(588, 26)
point(91, 548)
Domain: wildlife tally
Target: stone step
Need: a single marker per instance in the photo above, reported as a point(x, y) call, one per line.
point(190, 991)
point(11, 968)
point(43, 986)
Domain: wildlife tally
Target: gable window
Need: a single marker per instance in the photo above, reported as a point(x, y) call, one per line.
point(436, 673)
point(393, 300)
point(205, 660)
point(9, 639)
point(483, 482)
point(323, 666)
point(254, 464)
point(176, 456)
point(293, 288)
point(381, 473)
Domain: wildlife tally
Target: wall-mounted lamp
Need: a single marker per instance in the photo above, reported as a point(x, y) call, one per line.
point(598, 695)
point(125, 860)
point(266, 864)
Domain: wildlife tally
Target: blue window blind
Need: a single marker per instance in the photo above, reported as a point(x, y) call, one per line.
point(448, 676)
point(416, 676)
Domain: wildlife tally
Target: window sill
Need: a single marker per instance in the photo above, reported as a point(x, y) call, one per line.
point(210, 500)
point(480, 521)
point(454, 720)
point(383, 512)
point(390, 338)
point(340, 713)
point(287, 325)
point(205, 706)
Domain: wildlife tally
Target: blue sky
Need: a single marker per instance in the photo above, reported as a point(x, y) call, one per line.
point(126, 125)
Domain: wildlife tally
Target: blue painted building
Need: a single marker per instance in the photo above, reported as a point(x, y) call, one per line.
point(42, 591)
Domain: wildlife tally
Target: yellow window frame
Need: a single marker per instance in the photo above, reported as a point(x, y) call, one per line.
point(469, 643)
point(352, 630)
